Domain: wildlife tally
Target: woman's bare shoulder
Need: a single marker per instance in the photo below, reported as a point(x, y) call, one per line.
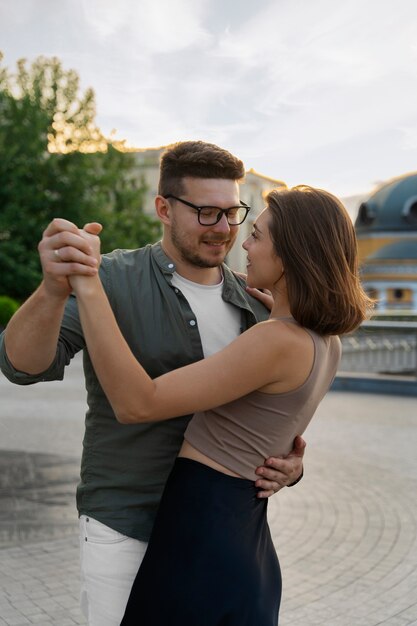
point(292, 350)
point(283, 333)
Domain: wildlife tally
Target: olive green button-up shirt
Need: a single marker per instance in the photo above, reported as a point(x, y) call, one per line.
point(124, 467)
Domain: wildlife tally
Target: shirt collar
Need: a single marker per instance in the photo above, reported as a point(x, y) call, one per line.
point(233, 288)
point(165, 264)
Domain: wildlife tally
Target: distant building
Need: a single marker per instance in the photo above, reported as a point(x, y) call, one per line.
point(386, 227)
point(148, 168)
point(253, 192)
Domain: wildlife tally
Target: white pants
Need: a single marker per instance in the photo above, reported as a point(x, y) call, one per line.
point(109, 563)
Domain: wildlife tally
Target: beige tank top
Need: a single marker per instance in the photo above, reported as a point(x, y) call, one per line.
point(240, 435)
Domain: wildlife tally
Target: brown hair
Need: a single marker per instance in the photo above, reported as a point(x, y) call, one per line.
point(196, 159)
point(315, 238)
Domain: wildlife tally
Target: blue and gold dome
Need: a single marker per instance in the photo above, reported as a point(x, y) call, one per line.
point(392, 207)
point(386, 229)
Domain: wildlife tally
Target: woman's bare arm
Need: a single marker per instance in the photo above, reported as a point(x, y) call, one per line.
point(248, 363)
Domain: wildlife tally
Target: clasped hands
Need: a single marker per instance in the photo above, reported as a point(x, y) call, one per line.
point(68, 253)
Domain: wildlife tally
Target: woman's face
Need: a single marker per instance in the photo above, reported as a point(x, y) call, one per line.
point(264, 267)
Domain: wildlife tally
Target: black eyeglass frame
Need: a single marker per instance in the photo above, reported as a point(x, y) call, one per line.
point(242, 205)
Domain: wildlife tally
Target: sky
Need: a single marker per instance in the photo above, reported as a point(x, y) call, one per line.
point(306, 91)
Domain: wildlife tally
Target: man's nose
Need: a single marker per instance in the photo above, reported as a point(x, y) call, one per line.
point(222, 225)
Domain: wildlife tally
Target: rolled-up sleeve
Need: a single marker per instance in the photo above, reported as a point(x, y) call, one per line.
point(70, 341)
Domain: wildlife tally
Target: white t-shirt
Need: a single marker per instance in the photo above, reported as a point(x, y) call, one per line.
point(218, 321)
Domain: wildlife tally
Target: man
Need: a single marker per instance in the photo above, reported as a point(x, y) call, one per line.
point(175, 303)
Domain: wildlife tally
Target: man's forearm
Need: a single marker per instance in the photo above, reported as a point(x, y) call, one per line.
point(32, 334)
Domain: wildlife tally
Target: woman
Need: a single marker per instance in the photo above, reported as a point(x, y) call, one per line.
point(210, 560)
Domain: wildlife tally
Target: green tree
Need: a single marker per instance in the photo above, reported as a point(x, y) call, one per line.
point(56, 162)
point(125, 223)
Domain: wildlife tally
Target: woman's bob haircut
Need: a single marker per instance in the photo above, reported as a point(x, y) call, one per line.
point(315, 238)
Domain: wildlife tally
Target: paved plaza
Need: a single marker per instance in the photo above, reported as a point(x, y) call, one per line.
point(346, 536)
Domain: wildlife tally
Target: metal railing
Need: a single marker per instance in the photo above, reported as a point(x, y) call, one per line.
point(380, 357)
point(377, 347)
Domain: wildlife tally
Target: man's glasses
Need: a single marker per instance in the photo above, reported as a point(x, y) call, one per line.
point(210, 215)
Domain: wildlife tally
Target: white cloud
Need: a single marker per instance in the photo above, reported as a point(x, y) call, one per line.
point(148, 26)
point(104, 17)
point(409, 137)
point(284, 84)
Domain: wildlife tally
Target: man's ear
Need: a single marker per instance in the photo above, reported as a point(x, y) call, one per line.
point(163, 210)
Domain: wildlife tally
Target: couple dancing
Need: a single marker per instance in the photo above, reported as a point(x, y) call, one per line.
point(210, 560)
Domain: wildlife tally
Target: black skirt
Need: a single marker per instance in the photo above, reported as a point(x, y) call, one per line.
point(210, 560)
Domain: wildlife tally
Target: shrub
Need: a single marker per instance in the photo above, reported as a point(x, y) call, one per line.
point(8, 306)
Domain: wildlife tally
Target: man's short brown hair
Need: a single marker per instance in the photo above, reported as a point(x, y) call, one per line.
point(196, 159)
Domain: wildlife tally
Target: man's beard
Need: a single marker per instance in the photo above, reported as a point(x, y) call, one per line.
point(188, 256)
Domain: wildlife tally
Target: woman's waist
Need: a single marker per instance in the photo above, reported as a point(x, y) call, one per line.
point(188, 451)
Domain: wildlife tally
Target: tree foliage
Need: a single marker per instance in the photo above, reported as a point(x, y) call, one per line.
point(8, 307)
point(55, 162)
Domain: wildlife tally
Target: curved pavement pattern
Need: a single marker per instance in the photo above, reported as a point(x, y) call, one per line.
point(346, 536)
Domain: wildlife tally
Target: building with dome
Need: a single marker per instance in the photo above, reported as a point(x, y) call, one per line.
point(386, 228)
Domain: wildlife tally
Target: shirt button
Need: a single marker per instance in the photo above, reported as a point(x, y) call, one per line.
point(176, 290)
point(192, 323)
point(170, 265)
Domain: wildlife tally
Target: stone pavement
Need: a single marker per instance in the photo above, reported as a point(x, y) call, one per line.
point(346, 536)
